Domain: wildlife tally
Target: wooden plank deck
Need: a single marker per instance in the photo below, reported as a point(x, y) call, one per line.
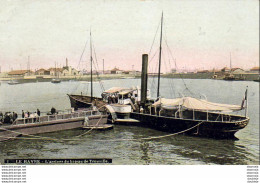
point(99, 127)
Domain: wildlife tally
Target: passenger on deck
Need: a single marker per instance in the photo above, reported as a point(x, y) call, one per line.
point(35, 115)
point(31, 116)
point(38, 112)
point(1, 117)
point(14, 116)
point(141, 110)
point(113, 99)
point(109, 100)
point(26, 115)
point(117, 98)
point(22, 114)
point(53, 110)
point(7, 118)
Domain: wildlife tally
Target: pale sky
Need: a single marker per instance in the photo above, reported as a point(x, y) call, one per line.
point(200, 34)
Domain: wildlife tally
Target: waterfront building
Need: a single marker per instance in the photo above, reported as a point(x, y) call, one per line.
point(225, 69)
point(42, 72)
point(20, 73)
point(238, 71)
point(116, 71)
point(55, 71)
point(69, 71)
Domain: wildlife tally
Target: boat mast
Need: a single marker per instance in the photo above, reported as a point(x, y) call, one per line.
point(103, 66)
point(55, 72)
point(159, 70)
point(91, 79)
point(230, 62)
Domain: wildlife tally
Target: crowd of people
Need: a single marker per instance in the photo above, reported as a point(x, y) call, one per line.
point(31, 115)
point(10, 117)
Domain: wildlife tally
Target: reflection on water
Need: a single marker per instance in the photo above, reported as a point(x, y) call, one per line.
point(179, 149)
point(175, 150)
point(145, 148)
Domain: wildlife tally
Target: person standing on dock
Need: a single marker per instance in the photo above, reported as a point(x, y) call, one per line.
point(1, 116)
point(38, 112)
point(35, 116)
point(22, 114)
point(27, 115)
point(14, 116)
point(53, 110)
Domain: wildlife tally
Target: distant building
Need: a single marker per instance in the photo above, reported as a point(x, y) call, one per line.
point(237, 71)
point(116, 71)
point(20, 73)
point(69, 71)
point(55, 71)
point(225, 69)
point(255, 70)
point(173, 71)
point(42, 72)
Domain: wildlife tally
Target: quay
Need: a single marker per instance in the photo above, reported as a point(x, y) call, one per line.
point(52, 123)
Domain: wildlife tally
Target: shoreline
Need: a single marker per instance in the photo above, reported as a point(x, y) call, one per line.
point(47, 78)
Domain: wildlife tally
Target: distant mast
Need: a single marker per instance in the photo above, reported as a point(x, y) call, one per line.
point(230, 62)
point(103, 66)
point(28, 66)
point(91, 79)
point(159, 70)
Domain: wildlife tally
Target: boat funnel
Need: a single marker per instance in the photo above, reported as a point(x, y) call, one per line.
point(144, 78)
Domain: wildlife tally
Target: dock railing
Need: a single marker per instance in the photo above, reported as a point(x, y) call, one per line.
point(57, 116)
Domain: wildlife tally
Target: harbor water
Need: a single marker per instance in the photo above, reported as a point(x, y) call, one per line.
point(123, 144)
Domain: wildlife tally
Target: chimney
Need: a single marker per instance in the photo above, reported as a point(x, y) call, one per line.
point(144, 78)
point(66, 62)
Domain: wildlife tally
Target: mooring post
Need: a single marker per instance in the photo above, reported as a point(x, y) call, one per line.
point(144, 78)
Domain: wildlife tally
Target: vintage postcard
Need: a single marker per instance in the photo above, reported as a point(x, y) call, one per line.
point(144, 82)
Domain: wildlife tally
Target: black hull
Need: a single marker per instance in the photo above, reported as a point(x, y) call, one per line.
point(77, 102)
point(229, 79)
point(212, 129)
point(83, 101)
point(55, 81)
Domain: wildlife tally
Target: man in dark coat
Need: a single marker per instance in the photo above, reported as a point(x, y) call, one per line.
point(7, 117)
point(14, 116)
point(1, 116)
point(38, 112)
point(53, 110)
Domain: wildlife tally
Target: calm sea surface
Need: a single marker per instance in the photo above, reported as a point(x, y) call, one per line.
point(174, 150)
